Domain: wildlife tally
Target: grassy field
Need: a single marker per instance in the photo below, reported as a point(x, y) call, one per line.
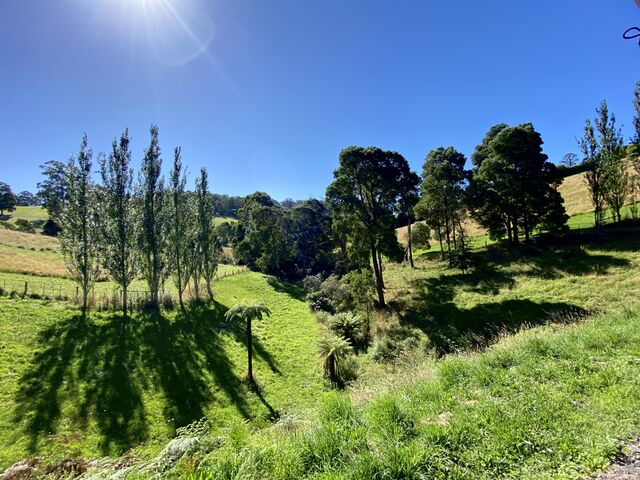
point(36, 215)
point(548, 403)
point(71, 388)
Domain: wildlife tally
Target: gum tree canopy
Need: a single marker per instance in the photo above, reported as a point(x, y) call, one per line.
point(367, 187)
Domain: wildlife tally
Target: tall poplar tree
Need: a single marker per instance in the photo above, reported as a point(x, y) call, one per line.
point(208, 246)
point(180, 227)
point(78, 217)
point(152, 230)
point(118, 223)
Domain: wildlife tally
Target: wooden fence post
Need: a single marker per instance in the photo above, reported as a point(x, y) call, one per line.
point(25, 289)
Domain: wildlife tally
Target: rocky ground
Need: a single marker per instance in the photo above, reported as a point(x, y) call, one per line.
point(626, 468)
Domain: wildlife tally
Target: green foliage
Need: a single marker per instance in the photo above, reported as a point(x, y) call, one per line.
point(466, 418)
point(208, 248)
point(247, 312)
point(514, 187)
point(421, 234)
point(8, 200)
point(333, 351)
point(368, 185)
point(51, 190)
point(26, 199)
point(349, 326)
point(23, 225)
point(443, 197)
point(51, 228)
point(180, 228)
point(262, 241)
point(80, 240)
point(330, 295)
point(117, 216)
point(153, 221)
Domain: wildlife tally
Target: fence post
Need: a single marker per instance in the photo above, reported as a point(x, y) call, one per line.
point(25, 289)
point(77, 293)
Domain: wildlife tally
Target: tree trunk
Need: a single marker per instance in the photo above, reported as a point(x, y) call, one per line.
point(196, 288)
point(332, 368)
point(209, 290)
point(124, 301)
point(409, 242)
point(516, 240)
point(249, 353)
point(378, 274)
point(509, 233)
point(440, 240)
point(380, 267)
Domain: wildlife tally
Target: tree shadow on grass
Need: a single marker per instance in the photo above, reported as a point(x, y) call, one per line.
point(451, 328)
point(96, 371)
point(291, 289)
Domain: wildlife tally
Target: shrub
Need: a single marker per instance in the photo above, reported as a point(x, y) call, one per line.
point(7, 225)
point(51, 228)
point(383, 349)
point(332, 296)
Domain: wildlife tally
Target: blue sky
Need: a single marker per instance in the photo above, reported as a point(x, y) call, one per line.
point(266, 93)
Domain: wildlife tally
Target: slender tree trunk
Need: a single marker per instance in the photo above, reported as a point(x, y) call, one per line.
point(409, 242)
point(509, 232)
point(196, 288)
point(249, 353)
point(380, 267)
point(516, 240)
point(332, 368)
point(209, 289)
point(124, 301)
point(440, 240)
point(378, 274)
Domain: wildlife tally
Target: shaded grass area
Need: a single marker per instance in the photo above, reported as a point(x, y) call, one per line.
point(507, 289)
point(553, 402)
point(71, 387)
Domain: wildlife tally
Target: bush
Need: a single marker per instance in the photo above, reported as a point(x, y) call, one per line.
point(7, 225)
point(51, 228)
point(332, 296)
point(383, 349)
point(25, 226)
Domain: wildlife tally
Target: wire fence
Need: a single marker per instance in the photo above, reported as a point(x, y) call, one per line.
point(101, 296)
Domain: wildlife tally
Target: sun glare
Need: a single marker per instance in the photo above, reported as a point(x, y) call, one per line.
point(177, 31)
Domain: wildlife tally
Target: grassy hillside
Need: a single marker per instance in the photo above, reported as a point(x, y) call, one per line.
point(70, 388)
point(549, 403)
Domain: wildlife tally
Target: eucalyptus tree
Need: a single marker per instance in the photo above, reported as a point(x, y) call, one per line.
point(208, 247)
point(153, 227)
point(180, 227)
point(118, 216)
point(367, 186)
point(443, 194)
point(408, 199)
point(79, 239)
point(52, 189)
point(247, 312)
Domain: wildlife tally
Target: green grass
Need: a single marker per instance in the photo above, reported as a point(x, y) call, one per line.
point(70, 388)
point(218, 220)
point(549, 403)
point(36, 215)
point(509, 288)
